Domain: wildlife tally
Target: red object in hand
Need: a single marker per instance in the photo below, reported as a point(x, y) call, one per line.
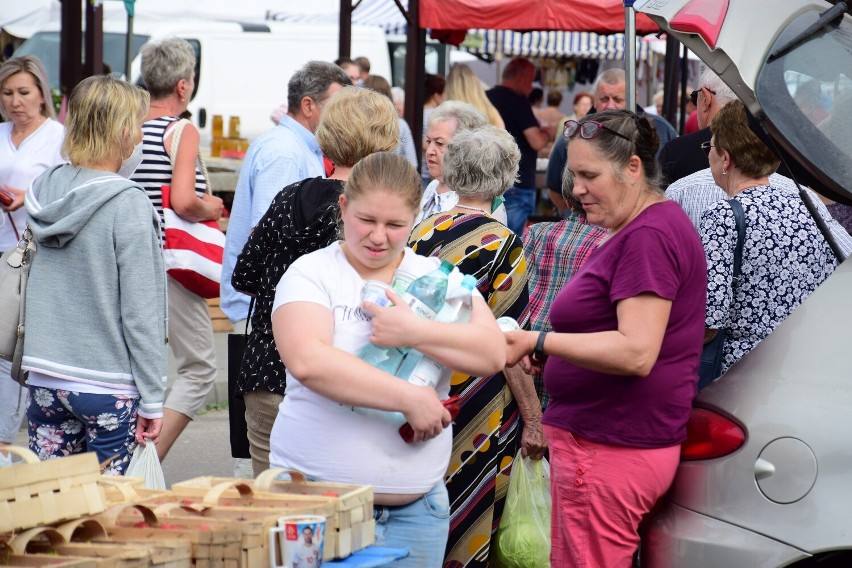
point(6, 197)
point(452, 404)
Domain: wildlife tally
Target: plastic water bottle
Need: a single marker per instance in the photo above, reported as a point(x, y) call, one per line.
point(419, 369)
point(425, 296)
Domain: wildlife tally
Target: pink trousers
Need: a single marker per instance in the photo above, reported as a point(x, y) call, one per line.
point(600, 494)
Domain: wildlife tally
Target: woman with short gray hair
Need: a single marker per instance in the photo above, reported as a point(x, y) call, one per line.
point(447, 120)
point(168, 71)
point(480, 164)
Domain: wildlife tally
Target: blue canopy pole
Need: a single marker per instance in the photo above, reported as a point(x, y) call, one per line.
point(130, 7)
point(630, 53)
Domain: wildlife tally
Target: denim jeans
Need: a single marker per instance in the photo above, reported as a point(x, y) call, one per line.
point(421, 527)
point(520, 204)
point(62, 423)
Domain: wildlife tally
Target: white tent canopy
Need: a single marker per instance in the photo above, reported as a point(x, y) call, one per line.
point(22, 18)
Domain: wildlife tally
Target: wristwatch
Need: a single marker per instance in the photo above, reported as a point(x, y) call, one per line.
point(538, 352)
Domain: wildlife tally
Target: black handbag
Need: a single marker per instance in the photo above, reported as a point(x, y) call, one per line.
point(710, 368)
point(236, 404)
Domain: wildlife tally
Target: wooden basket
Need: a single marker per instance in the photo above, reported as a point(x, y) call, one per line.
point(212, 544)
point(36, 547)
point(352, 524)
point(349, 525)
point(236, 495)
point(254, 524)
point(37, 493)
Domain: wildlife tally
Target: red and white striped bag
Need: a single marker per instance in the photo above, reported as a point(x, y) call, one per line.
point(192, 252)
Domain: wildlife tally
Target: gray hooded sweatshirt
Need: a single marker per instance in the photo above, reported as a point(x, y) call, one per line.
point(96, 298)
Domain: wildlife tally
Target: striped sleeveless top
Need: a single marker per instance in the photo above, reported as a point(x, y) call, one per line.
point(155, 171)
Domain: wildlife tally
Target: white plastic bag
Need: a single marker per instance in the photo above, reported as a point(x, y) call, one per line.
point(146, 464)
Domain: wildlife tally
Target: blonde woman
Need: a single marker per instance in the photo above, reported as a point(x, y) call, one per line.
point(96, 299)
point(463, 85)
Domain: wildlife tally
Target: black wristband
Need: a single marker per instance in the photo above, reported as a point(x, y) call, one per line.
point(538, 352)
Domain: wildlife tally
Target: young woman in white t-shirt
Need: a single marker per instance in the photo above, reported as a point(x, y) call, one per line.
point(320, 325)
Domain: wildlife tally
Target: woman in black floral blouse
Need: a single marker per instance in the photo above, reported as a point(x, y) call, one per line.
point(784, 255)
point(301, 219)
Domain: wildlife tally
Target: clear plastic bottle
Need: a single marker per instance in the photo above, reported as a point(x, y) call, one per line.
point(419, 369)
point(425, 296)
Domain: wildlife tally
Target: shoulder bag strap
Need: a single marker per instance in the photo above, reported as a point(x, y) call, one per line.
point(177, 130)
point(739, 217)
point(248, 317)
point(29, 249)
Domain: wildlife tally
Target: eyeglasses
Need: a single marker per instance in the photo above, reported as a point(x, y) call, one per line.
point(706, 147)
point(588, 130)
point(693, 96)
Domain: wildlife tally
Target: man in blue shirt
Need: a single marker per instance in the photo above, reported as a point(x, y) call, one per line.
point(286, 154)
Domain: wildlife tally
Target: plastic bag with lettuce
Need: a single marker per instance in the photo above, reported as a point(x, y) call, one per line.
point(523, 539)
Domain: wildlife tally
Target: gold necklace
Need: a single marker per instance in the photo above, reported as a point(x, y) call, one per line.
point(460, 206)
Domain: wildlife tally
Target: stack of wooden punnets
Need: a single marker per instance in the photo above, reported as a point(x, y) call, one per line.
point(63, 513)
point(348, 509)
point(50, 516)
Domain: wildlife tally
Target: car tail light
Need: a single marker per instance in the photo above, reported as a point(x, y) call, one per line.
point(702, 17)
point(710, 435)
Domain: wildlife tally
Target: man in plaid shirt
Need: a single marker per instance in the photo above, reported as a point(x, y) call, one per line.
point(555, 252)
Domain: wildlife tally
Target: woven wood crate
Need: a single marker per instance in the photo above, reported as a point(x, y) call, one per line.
point(213, 544)
point(254, 525)
point(106, 555)
point(237, 495)
point(161, 553)
point(349, 526)
point(35, 493)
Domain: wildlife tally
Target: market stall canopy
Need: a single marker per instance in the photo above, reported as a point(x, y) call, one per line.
point(601, 16)
point(555, 44)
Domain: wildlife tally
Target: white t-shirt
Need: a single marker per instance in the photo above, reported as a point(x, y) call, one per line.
point(433, 202)
point(330, 442)
point(20, 166)
point(305, 556)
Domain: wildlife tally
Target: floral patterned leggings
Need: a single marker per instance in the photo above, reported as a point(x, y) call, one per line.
point(62, 423)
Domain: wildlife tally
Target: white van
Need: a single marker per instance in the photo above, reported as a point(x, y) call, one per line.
point(242, 69)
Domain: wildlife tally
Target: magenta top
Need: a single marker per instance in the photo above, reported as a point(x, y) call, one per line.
point(660, 253)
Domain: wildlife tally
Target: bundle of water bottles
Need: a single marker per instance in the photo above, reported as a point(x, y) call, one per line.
point(430, 297)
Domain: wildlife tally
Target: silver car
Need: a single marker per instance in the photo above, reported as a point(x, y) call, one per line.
point(766, 476)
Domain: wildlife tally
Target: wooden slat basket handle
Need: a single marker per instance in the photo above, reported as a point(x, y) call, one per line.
point(24, 453)
point(212, 497)
point(264, 480)
point(109, 518)
point(166, 510)
point(127, 491)
point(18, 544)
point(82, 530)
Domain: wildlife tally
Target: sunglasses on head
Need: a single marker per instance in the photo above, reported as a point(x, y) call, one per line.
point(693, 96)
point(588, 129)
point(706, 147)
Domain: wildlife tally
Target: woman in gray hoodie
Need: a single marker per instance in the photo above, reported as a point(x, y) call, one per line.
point(95, 344)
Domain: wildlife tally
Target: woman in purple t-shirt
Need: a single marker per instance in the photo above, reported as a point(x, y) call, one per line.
point(627, 336)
